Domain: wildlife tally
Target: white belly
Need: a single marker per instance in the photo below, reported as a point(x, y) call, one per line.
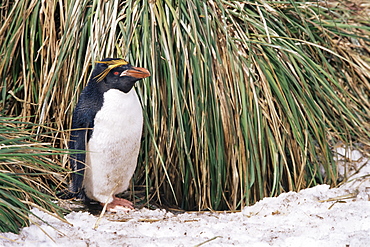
point(113, 148)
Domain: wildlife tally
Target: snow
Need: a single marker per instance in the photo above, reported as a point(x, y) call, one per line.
point(317, 216)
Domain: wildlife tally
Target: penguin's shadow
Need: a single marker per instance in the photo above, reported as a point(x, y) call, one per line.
point(138, 196)
point(93, 207)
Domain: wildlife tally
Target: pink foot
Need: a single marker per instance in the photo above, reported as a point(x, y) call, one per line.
point(119, 204)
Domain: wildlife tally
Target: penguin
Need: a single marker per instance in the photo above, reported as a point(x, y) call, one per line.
point(106, 123)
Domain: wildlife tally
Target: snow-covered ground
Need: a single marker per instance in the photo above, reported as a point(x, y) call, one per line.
point(318, 216)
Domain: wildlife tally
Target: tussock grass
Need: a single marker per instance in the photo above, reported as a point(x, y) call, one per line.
point(27, 174)
point(245, 100)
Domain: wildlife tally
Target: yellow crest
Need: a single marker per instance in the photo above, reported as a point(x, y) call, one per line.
point(111, 65)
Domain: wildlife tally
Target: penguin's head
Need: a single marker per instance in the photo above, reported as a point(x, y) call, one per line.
point(118, 74)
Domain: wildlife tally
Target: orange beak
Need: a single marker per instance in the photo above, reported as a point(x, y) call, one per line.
point(136, 72)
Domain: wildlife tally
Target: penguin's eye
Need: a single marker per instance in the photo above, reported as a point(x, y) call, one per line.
point(116, 73)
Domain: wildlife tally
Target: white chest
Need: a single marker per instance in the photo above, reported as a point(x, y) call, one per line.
point(120, 115)
point(114, 145)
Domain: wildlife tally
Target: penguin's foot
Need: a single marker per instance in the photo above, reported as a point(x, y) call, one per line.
point(119, 204)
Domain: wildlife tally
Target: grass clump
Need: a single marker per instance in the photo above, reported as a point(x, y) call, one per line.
point(26, 175)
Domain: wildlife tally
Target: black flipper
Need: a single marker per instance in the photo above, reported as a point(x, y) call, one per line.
point(82, 124)
point(77, 163)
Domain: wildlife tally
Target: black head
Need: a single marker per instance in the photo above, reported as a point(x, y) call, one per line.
point(112, 73)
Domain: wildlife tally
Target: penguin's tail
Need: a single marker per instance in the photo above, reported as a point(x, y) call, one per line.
point(69, 195)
